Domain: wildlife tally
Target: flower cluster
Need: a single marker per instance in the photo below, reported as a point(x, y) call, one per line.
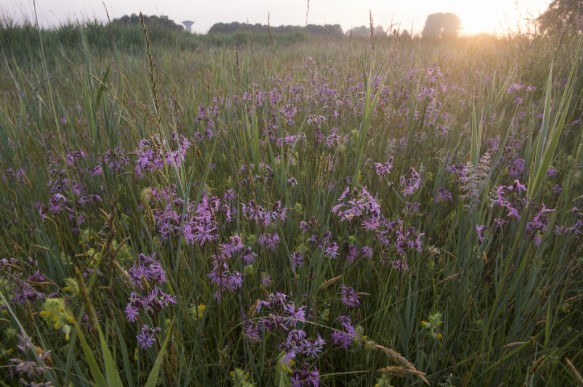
point(407, 238)
point(410, 184)
point(67, 196)
point(10, 175)
point(290, 140)
point(202, 226)
point(207, 116)
point(347, 335)
point(146, 268)
point(280, 313)
point(55, 313)
point(385, 168)
point(258, 214)
point(349, 297)
point(514, 204)
point(517, 169)
point(198, 224)
point(29, 372)
point(305, 376)
point(222, 275)
point(116, 159)
point(289, 112)
point(297, 343)
point(152, 154)
point(443, 195)
point(28, 282)
point(269, 241)
point(537, 226)
point(277, 314)
point(354, 205)
point(148, 298)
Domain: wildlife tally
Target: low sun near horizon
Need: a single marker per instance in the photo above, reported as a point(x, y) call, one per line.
point(496, 16)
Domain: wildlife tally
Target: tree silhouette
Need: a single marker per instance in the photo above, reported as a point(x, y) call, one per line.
point(441, 25)
point(562, 16)
point(364, 32)
point(312, 29)
point(151, 21)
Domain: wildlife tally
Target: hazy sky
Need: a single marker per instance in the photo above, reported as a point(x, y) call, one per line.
point(477, 16)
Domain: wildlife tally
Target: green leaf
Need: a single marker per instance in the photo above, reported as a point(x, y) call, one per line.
point(476, 137)
point(153, 377)
point(124, 353)
point(98, 377)
point(111, 372)
point(548, 139)
point(102, 87)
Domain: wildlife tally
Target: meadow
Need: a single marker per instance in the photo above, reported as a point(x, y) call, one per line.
point(292, 212)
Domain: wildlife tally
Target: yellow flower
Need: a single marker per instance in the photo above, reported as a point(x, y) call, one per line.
point(198, 311)
point(55, 313)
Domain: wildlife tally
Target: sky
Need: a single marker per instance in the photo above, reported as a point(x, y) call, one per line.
point(491, 16)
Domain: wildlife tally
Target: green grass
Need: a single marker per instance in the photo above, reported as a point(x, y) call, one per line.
point(489, 309)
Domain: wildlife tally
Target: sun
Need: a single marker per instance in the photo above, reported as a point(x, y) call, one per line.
point(476, 22)
point(495, 16)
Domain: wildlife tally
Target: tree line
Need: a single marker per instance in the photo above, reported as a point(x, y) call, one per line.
point(561, 17)
point(312, 29)
point(150, 21)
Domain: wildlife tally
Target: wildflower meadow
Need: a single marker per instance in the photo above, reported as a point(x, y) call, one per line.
point(320, 212)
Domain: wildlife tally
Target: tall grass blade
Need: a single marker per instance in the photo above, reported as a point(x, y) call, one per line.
point(111, 373)
point(98, 377)
point(550, 132)
point(476, 137)
point(124, 352)
point(102, 87)
point(153, 377)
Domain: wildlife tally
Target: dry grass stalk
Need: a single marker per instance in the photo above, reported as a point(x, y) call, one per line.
point(84, 292)
point(270, 33)
point(329, 282)
point(576, 374)
point(151, 71)
point(253, 309)
point(398, 358)
point(371, 30)
point(403, 372)
point(237, 65)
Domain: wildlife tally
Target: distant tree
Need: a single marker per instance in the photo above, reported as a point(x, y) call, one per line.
point(379, 32)
point(151, 21)
point(451, 25)
point(364, 32)
point(217, 28)
point(223, 28)
point(315, 29)
point(441, 25)
point(562, 16)
point(334, 29)
point(405, 34)
point(358, 32)
point(312, 29)
point(433, 27)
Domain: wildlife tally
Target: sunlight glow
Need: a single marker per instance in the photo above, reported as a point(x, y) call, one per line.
point(499, 17)
point(492, 16)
